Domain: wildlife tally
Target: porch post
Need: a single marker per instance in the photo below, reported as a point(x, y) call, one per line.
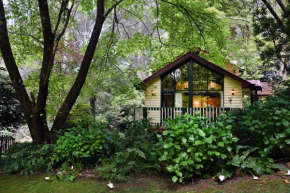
point(252, 100)
point(256, 95)
point(144, 112)
point(190, 83)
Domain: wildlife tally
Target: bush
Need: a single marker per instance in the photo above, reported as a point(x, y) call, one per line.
point(267, 125)
point(28, 158)
point(79, 146)
point(10, 111)
point(80, 116)
point(190, 146)
point(129, 151)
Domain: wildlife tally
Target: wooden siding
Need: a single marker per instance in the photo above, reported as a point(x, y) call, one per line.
point(236, 100)
point(153, 100)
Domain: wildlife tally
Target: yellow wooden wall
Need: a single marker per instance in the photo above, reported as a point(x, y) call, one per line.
point(153, 100)
point(232, 101)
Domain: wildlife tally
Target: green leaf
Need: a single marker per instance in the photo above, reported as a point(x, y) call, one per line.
point(279, 167)
point(198, 142)
point(177, 146)
point(176, 160)
point(221, 144)
point(184, 140)
point(174, 179)
point(191, 138)
point(166, 132)
point(170, 168)
point(285, 123)
point(201, 133)
point(168, 145)
point(197, 159)
point(208, 140)
point(223, 156)
point(179, 173)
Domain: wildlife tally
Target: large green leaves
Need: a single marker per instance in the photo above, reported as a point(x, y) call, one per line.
point(191, 146)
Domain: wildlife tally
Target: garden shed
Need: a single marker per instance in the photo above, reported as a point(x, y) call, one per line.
point(190, 84)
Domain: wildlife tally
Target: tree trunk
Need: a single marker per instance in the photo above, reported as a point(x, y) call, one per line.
point(75, 90)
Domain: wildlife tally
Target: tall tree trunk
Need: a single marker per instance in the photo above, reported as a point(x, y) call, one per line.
point(75, 90)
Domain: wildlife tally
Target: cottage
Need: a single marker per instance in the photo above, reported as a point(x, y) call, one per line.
point(190, 84)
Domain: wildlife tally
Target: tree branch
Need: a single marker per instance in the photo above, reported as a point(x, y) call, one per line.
point(269, 7)
point(111, 8)
point(83, 72)
point(283, 7)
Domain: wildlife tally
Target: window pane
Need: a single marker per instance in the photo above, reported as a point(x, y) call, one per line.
point(199, 77)
point(199, 99)
point(182, 99)
point(181, 77)
point(206, 99)
point(168, 99)
point(215, 81)
point(214, 99)
point(168, 82)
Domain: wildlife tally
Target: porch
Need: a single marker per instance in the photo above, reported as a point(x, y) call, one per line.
point(159, 114)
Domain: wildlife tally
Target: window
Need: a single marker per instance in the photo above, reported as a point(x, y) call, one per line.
point(206, 87)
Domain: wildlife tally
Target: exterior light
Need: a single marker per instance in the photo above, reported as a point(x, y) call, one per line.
point(153, 93)
point(233, 91)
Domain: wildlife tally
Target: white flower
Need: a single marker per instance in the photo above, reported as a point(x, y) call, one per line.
point(255, 178)
point(46, 178)
point(288, 172)
point(110, 185)
point(221, 178)
point(72, 167)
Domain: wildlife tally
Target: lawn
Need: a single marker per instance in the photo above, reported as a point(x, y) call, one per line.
point(37, 183)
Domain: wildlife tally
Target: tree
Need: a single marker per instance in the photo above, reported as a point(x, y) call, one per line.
point(272, 23)
point(243, 49)
point(55, 17)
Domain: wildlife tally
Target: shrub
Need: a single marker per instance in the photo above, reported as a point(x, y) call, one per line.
point(267, 125)
point(80, 116)
point(10, 111)
point(130, 151)
point(28, 158)
point(190, 146)
point(79, 146)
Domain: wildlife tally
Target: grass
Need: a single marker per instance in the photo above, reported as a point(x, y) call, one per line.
point(37, 183)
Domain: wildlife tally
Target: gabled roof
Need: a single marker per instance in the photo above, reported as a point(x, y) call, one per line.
point(191, 56)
